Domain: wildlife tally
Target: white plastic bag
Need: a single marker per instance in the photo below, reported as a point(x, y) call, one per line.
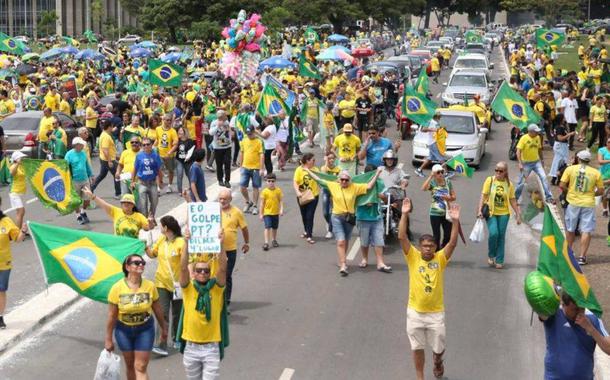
point(478, 231)
point(108, 366)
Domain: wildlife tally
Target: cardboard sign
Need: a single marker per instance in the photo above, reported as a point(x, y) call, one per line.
point(204, 223)
point(69, 86)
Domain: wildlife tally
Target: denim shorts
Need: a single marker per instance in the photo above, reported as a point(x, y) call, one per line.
point(434, 154)
point(271, 221)
point(4, 276)
point(581, 217)
point(135, 338)
point(371, 233)
point(247, 174)
point(341, 228)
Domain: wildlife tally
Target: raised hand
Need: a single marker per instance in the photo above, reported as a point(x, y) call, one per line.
point(406, 206)
point(454, 211)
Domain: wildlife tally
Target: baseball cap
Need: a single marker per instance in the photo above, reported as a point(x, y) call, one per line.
point(348, 128)
point(584, 155)
point(533, 128)
point(17, 155)
point(437, 168)
point(78, 140)
point(128, 198)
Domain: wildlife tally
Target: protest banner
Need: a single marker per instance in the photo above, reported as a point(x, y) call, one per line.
point(204, 224)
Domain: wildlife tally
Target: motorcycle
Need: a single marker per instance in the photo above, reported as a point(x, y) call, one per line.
point(391, 211)
point(515, 135)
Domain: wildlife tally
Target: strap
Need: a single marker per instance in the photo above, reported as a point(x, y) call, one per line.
point(344, 201)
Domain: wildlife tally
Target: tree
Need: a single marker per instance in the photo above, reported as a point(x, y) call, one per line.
point(170, 15)
point(97, 14)
point(206, 30)
point(47, 22)
point(277, 18)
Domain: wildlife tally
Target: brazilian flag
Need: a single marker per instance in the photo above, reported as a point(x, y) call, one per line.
point(270, 99)
point(90, 36)
point(416, 107)
point(11, 45)
point(422, 84)
point(33, 103)
point(513, 107)
point(308, 69)
point(545, 38)
point(88, 262)
point(51, 183)
point(371, 196)
point(473, 37)
point(458, 163)
point(164, 74)
point(70, 41)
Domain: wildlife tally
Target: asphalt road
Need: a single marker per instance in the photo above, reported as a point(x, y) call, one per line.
point(294, 317)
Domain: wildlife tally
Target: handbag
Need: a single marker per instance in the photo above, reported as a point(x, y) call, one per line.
point(485, 211)
point(306, 197)
point(348, 217)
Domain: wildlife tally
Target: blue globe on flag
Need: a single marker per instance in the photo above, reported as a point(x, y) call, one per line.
point(549, 36)
point(517, 110)
point(11, 43)
point(165, 73)
point(413, 105)
point(53, 185)
point(82, 263)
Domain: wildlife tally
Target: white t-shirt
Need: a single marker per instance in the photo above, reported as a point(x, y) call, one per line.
point(282, 133)
point(429, 137)
point(569, 110)
point(269, 142)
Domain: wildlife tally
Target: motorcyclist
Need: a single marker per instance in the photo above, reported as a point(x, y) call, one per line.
point(391, 175)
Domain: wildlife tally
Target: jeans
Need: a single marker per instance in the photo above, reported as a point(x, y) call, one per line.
point(181, 169)
point(268, 162)
point(209, 150)
point(231, 258)
point(148, 197)
point(438, 221)
point(104, 169)
point(235, 150)
point(561, 154)
point(223, 164)
point(167, 302)
point(497, 225)
point(201, 361)
point(598, 130)
point(308, 213)
point(536, 167)
point(327, 205)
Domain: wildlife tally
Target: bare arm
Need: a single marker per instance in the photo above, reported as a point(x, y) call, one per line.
point(402, 226)
point(454, 213)
point(426, 185)
point(185, 277)
point(602, 341)
point(98, 201)
point(515, 205)
point(373, 180)
point(113, 312)
point(221, 273)
point(482, 200)
point(156, 306)
point(246, 235)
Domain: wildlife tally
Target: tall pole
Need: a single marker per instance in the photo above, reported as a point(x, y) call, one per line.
point(589, 12)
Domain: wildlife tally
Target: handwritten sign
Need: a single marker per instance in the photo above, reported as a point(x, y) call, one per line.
point(204, 223)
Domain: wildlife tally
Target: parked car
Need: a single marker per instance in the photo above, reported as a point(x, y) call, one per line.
point(464, 135)
point(413, 62)
point(400, 68)
point(21, 130)
point(464, 85)
point(426, 56)
point(448, 42)
point(129, 39)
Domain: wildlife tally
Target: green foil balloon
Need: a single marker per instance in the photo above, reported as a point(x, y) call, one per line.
point(540, 293)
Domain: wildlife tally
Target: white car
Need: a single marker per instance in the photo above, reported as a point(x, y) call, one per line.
point(464, 85)
point(472, 61)
point(464, 135)
point(447, 42)
point(129, 39)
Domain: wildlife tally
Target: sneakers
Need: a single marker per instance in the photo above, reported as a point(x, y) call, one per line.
point(79, 219)
point(168, 189)
point(2, 324)
point(265, 247)
point(226, 184)
point(248, 207)
point(254, 210)
point(160, 351)
point(419, 173)
point(329, 235)
point(85, 218)
point(582, 260)
point(275, 244)
point(210, 168)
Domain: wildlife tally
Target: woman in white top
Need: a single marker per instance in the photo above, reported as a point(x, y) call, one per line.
point(281, 139)
point(268, 136)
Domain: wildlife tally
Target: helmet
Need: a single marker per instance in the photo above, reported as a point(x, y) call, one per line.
point(389, 155)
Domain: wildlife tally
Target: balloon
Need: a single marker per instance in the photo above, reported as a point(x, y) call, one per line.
point(240, 35)
point(254, 19)
point(232, 43)
point(233, 23)
point(225, 32)
point(260, 30)
point(246, 27)
point(241, 16)
point(540, 293)
point(241, 45)
point(253, 47)
point(232, 32)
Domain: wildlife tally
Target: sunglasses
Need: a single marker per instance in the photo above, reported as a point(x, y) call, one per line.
point(344, 179)
point(440, 172)
point(202, 270)
point(500, 170)
point(138, 263)
point(135, 143)
point(146, 144)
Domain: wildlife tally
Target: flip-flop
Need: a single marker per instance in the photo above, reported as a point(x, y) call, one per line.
point(385, 269)
point(363, 264)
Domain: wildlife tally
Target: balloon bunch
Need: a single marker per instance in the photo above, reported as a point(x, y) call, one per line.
point(242, 39)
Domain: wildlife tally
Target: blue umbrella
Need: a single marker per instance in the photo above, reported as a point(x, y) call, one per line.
point(340, 47)
point(85, 54)
point(69, 50)
point(276, 62)
point(337, 38)
point(334, 53)
point(51, 54)
point(139, 53)
point(146, 44)
point(171, 57)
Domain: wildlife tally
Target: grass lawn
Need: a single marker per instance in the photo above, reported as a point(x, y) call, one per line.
point(568, 57)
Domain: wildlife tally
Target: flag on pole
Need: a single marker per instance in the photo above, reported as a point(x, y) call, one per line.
point(50, 181)
point(11, 45)
point(90, 36)
point(422, 84)
point(269, 100)
point(458, 163)
point(88, 262)
point(545, 38)
point(311, 36)
point(473, 37)
point(70, 41)
point(288, 96)
point(557, 261)
point(416, 107)
point(165, 74)
point(513, 107)
point(308, 69)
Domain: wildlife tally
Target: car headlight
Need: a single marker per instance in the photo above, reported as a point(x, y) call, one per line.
point(418, 144)
point(447, 95)
point(471, 147)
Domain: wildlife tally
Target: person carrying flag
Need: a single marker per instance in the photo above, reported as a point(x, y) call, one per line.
point(82, 175)
point(435, 142)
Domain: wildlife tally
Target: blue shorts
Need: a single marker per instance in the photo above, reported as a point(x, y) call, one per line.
point(371, 233)
point(4, 276)
point(581, 217)
point(434, 154)
point(271, 221)
point(135, 338)
point(246, 174)
point(341, 229)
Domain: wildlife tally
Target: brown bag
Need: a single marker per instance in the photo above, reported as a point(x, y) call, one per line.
point(306, 197)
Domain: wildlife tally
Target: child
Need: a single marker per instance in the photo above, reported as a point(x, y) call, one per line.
point(329, 167)
point(272, 208)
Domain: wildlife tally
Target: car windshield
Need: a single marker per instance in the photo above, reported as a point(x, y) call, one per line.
point(468, 80)
point(20, 124)
point(468, 63)
point(457, 124)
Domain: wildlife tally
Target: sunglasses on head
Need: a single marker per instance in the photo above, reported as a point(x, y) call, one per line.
point(202, 270)
point(137, 263)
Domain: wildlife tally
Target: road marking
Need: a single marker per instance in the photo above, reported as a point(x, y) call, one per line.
point(354, 250)
point(287, 374)
point(438, 95)
point(29, 201)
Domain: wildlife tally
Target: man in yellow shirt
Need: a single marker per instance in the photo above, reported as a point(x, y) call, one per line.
point(167, 144)
point(595, 73)
point(108, 157)
point(347, 109)
point(127, 162)
point(346, 146)
point(435, 67)
point(7, 106)
point(582, 184)
point(529, 155)
point(91, 117)
point(549, 70)
point(426, 309)
point(44, 129)
point(52, 99)
point(251, 159)
point(64, 105)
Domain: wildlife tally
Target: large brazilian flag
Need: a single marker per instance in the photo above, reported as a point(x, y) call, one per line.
point(88, 262)
point(51, 183)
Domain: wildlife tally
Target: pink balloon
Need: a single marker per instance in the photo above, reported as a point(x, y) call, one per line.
point(225, 32)
point(255, 18)
point(233, 22)
point(260, 30)
point(253, 47)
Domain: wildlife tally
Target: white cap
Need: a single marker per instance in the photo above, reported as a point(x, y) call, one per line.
point(533, 128)
point(437, 168)
point(584, 155)
point(78, 140)
point(17, 155)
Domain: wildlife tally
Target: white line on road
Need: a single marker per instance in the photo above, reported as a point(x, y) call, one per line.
point(354, 250)
point(287, 374)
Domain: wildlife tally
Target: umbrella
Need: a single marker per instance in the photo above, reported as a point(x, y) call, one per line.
point(276, 62)
point(25, 69)
point(88, 54)
point(69, 50)
point(7, 73)
point(145, 44)
point(173, 48)
point(30, 56)
point(331, 54)
point(171, 57)
point(337, 38)
point(51, 54)
point(140, 52)
point(363, 52)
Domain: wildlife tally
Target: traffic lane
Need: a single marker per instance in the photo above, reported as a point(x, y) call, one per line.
point(25, 258)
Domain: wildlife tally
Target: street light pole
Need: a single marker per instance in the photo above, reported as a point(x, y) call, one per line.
point(589, 12)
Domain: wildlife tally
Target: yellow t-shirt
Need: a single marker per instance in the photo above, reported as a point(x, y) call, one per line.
point(196, 328)
point(596, 75)
point(168, 268)
point(135, 306)
point(232, 219)
point(128, 159)
point(46, 124)
point(252, 149)
point(6, 106)
point(107, 142)
point(348, 108)
point(8, 231)
point(504, 191)
point(435, 64)
point(344, 200)
point(597, 113)
point(18, 183)
point(92, 123)
point(165, 141)
point(272, 199)
point(305, 182)
point(347, 146)
point(529, 147)
point(550, 71)
point(335, 170)
point(127, 225)
point(52, 101)
point(582, 185)
point(64, 107)
point(426, 281)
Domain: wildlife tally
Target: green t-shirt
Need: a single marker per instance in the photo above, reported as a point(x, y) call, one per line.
point(368, 212)
point(438, 207)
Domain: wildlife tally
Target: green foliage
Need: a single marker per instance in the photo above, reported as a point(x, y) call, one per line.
point(206, 30)
point(46, 24)
point(278, 18)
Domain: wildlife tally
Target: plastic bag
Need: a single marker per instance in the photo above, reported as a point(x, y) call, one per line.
point(478, 231)
point(108, 366)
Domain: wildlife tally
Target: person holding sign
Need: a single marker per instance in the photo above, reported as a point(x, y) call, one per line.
point(272, 207)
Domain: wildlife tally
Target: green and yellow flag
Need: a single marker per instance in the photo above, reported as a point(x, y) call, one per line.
point(416, 107)
point(545, 37)
point(422, 85)
point(513, 107)
point(5, 173)
point(90, 36)
point(70, 41)
point(308, 69)
point(50, 181)
point(165, 74)
point(270, 99)
point(88, 262)
point(371, 196)
point(311, 36)
point(473, 37)
point(458, 163)
point(11, 45)
point(557, 261)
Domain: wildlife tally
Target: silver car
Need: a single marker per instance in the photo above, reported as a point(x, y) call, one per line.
point(464, 85)
point(472, 62)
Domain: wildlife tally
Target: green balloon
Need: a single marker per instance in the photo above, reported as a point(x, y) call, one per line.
point(540, 293)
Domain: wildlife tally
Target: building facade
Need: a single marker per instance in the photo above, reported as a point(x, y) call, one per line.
point(21, 17)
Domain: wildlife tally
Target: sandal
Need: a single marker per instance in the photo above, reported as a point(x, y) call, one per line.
point(343, 272)
point(304, 235)
point(385, 269)
point(363, 264)
point(311, 241)
point(439, 368)
point(491, 262)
